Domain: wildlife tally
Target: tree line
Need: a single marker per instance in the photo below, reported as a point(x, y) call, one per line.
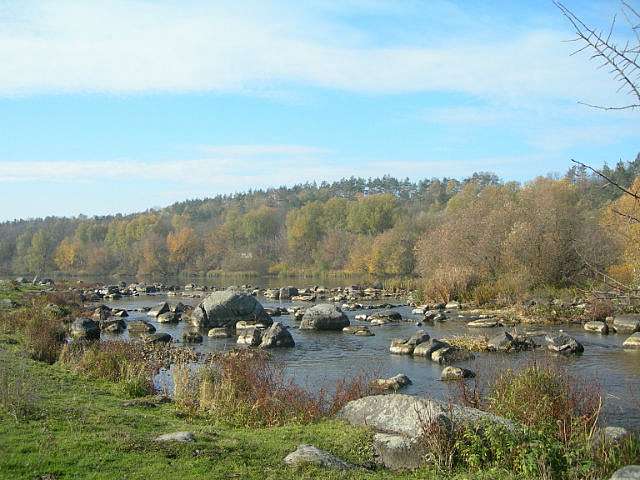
point(478, 230)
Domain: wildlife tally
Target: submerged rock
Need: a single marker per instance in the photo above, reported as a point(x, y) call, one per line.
point(140, 326)
point(325, 316)
point(406, 346)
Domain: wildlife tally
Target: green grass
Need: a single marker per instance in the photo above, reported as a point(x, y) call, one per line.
point(82, 430)
point(10, 291)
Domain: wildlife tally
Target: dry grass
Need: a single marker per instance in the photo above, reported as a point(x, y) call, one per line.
point(469, 342)
point(249, 389)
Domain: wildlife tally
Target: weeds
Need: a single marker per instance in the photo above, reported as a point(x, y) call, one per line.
point(17, 394)
point(245, 388)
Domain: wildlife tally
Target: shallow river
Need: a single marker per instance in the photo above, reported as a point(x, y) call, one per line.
point(321, 358)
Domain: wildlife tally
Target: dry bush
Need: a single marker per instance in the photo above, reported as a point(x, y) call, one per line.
point(129, 364)
point(449, 284)
point(247, 388)
point(599, 309)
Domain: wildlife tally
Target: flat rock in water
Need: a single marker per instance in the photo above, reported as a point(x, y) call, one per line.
point(140, 326)
point(484, 323)
point(456, 373)
point(426, 349)
point(449, 355)
point(182, 437)
point(310, 455)
point(394, 383)
point(630, 472)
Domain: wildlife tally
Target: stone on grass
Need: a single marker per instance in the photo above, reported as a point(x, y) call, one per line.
point(182, 437)
point(310, 455)
point(85, 329)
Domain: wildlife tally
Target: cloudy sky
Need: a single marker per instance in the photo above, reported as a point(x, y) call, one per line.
point(113, 106)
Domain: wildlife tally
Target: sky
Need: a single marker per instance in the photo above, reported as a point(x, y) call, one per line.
point(111, 106)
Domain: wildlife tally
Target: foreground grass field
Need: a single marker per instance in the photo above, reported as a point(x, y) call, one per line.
point(81, 429)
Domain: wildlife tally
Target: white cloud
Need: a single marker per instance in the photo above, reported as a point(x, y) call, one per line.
point(119, 46)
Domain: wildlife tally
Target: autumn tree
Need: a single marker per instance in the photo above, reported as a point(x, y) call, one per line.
point(182, 247)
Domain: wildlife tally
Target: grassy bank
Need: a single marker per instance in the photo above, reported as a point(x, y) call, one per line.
point(80, 428)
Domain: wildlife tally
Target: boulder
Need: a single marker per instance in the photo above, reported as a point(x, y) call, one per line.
point(596, 327)
point(630, 472)
point(394, 383)
point(384, 317)
point(407, 415)
point(633, 341)
point(251, 337)
point(101, 312)
point(159, 309)
point(627, 323)
point(563, 344)
point(220, 332)
point(157, 338)
point(113, 325)
point(286, 293)
point(399, 452)
point(406, 346)
point(140, 326)
point(167, 317)
point(611, 435)
point(310, 455)
point(502, 342)
point(358, 330)
point(277, 335)
point(190, 336)
point(227, 307)
point(324, 316)
point(85, 329)
point(119, 312)
point(449, 355)
point(456, 373)
point(451, 305)
point(182, 437)
point(425, 349)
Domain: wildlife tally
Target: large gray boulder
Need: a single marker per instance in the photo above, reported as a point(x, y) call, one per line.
point(630, 472)
point(401, 422)
point(226, 308)
point(277, 335)
point(627, 323)
point(286, 293)
point(325, 316)
point(85, 329)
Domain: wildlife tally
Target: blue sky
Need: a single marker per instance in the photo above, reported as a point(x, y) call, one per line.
point(118, 106)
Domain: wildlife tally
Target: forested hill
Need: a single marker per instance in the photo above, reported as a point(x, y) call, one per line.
point(355, 224)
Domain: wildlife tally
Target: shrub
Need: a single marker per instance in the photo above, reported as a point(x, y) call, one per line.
point(449, 284)
point(130, 365)
point(555, 402)
point(244, 388)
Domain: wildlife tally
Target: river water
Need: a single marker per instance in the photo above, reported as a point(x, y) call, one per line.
point(319, 359)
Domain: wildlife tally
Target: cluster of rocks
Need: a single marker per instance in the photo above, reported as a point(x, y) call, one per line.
point(627, 324)
point(420, 344)
point(41, 282)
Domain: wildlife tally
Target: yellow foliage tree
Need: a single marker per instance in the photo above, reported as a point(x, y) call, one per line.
point(182, 246)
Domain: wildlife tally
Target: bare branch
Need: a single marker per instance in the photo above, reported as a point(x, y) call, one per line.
point(602, 175)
